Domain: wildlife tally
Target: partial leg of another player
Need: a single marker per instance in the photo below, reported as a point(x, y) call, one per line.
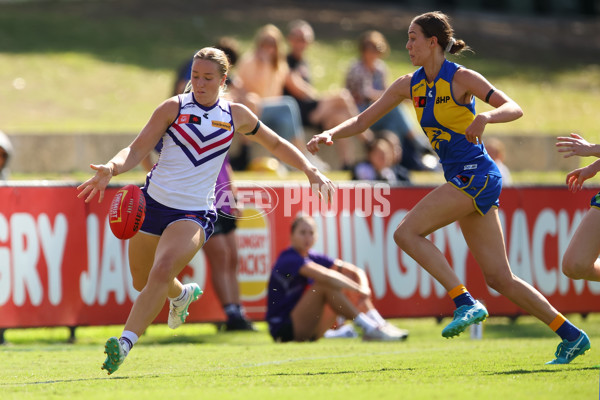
point(222, 254)
point(580, 261)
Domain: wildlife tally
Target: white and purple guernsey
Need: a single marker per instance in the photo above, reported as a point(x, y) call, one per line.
point(194, 147)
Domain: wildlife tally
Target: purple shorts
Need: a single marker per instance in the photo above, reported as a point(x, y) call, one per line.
point(159, 216)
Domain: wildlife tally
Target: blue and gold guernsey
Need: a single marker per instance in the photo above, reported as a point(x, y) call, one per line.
point(444, 121)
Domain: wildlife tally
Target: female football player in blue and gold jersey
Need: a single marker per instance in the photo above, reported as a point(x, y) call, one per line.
point(443, 95)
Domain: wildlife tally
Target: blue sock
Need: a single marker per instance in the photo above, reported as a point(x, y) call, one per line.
point(464, 299)
point(568, 331)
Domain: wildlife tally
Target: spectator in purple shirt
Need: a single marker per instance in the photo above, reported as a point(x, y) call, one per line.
point(303, 282)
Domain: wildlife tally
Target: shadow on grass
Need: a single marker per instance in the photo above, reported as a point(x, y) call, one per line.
point(506, 329)
point(51, 382)
point(179, 339)
point(318, 373)
point(543, 371)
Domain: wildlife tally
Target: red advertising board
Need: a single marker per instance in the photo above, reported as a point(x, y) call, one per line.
point(60, 265)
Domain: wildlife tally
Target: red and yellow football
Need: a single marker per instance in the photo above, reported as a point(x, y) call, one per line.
point(127, 212)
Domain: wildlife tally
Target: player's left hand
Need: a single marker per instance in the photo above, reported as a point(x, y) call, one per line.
point(474, 131)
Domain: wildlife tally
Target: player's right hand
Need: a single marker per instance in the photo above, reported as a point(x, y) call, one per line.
point(313, 144)
point(96, 184)
point(576, 178)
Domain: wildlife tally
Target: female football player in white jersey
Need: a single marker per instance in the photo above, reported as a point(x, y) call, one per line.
point(196, 129)
point(443, 95)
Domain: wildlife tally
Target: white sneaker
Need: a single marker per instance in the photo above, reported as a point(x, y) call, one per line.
point(178, 314)
point(403, 333)
point(345, 331)
point(383, 334)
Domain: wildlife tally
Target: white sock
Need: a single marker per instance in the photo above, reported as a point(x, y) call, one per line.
point(375, 316)
point(365, 322)
point(128, 339)
point(179, 300)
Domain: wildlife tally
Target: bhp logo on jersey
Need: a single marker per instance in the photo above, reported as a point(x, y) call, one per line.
point(442, 99)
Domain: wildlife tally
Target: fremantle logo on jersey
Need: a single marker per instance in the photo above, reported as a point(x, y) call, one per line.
point(189, 119)
point(201, 143)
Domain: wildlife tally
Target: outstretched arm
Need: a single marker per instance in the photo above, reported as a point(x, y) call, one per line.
point(394, 95)
point(246, 122)
point(576, 145)
point(131, 155)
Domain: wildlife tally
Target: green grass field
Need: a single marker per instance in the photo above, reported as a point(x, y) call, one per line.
point(198, 362)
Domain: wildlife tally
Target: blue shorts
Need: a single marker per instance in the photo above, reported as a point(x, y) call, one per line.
point(483, 189)
point(595, 202)
point(159, 216)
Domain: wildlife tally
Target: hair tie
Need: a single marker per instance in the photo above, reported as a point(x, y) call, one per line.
point(451, 43)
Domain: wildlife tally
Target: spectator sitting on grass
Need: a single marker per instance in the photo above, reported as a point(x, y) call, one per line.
point(303, 283)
